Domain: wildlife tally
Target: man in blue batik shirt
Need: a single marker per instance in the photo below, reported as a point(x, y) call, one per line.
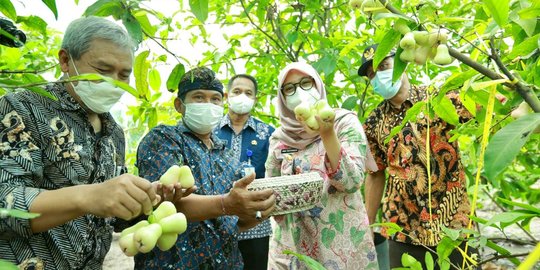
point(243, 133)
point(220, 207)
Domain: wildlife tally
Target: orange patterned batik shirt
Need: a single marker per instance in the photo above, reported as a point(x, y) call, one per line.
point(404, 156)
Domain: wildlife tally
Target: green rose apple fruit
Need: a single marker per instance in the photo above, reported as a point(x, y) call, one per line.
point(302, 111)
point(165, 209)
point(134, 228)
point(407, 42)
point(442, 57)
point(171, 175)
point(128, 245)
point(176, 223)
point(146, 238)
point(166, 241)
point(186, 177)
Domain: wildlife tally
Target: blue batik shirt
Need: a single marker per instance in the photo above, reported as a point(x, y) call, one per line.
point(254, 136)
point(209, 244)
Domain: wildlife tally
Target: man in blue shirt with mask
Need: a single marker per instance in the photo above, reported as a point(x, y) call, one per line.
point(220, 208)
point(247, 137)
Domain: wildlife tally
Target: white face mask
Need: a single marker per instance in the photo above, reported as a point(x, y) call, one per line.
point(202, 118)
point(241, 104)
point(98, 97)
point(310, 96)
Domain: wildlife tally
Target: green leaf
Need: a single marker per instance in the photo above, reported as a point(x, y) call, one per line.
point(456, 80)
point(308, 261)
point(154, 79)
point(407, 260)
point(429, 261)
point(199, 8)
point(502, 251)
point(446, 110)
point(499, 9)
point(522, 205)
point(507, 218)
point(42, 92)
point(175, 76)
point(399, 65)
point(133, 27)
point(105, 8)
point(140, 72)
point(7, 8)
point(445, 248)
point(530, 12)
point(145, 23)
point(350, 103)
point(7, 265)
point(507, 142)
point(328, 237)
point(524, 48)
point(34, 22)
point(452, 233)
point(51, 4)
point(528, 25)
point(17, 213)
point(391, 228)
point(388, 42)
point(327, 64)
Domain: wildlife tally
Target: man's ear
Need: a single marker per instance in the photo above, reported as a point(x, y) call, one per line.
point(179, 106)
point(225, 96)
point(63, 59)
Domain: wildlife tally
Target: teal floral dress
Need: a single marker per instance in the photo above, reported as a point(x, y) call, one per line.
point(335, 232)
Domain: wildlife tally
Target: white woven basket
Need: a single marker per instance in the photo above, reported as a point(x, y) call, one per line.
point(294, 193)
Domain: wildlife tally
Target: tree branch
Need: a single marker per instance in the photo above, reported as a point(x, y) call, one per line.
point(496, 257)
point(264, 32)
point(524, 90)
point(162, 46)
point(27, 71)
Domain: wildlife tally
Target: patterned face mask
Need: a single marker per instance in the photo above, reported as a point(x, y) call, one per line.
point(202, 118)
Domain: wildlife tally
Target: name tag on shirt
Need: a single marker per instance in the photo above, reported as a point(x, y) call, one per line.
point(289, 150)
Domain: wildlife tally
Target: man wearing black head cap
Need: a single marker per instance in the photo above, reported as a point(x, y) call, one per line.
point(219, 208)
point(408, 193)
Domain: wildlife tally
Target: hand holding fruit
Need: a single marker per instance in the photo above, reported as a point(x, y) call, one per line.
point(164, 223)
point(176, 182)
point(128, 196)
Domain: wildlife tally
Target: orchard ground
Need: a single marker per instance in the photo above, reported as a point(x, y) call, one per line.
point(116, 260)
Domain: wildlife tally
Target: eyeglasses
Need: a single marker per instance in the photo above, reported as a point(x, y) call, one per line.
point(305, 83)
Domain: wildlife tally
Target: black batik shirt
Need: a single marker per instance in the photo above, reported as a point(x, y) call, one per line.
point(48, 144)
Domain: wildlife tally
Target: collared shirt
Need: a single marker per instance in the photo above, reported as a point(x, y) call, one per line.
point(47, 145)
point(209, 244)
point(254, 136)
point(406, 198)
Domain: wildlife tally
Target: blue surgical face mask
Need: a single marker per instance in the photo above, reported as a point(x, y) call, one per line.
point(382, 84)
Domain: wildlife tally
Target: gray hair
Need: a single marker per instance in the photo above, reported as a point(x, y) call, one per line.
point(81, 32)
